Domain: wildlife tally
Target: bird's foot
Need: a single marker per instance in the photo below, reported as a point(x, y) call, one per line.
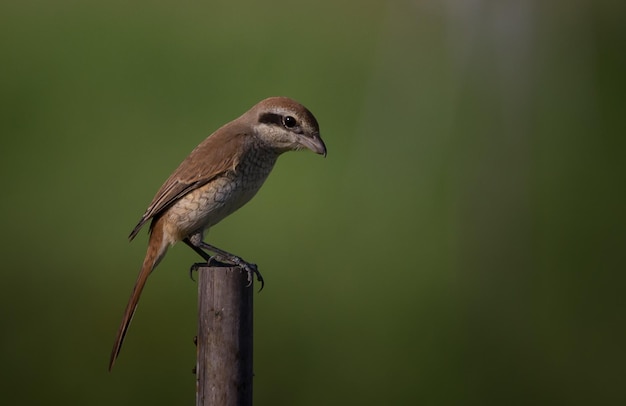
point(212, 261)
point(194, 267)
point(221, 260)
point(222, 256)
point(249, 267)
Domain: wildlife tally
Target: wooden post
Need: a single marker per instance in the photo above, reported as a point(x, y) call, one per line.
point(224, 361)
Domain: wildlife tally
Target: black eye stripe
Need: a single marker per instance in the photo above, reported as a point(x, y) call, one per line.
point(288, 122)
point(271, 118)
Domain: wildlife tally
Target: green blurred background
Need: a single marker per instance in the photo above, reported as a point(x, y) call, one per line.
point(462, 244)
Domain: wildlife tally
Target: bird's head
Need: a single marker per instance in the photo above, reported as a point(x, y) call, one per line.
point(285, 125)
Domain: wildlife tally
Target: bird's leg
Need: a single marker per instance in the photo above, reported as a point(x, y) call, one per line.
point(199, 251)
point(222, 255)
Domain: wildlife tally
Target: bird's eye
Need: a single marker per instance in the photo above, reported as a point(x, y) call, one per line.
point(289, 122)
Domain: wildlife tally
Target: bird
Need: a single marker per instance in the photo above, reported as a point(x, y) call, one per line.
point(218, 177)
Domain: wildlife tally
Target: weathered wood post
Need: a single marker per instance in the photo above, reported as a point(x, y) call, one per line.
point(224, 361)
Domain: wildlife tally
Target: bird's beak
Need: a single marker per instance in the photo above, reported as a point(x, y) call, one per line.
point(315, 144)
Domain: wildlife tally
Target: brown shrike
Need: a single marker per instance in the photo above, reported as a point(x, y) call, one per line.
point(219, 176)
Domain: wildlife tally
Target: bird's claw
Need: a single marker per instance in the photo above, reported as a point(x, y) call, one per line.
point(250, 268)
point(193, 268)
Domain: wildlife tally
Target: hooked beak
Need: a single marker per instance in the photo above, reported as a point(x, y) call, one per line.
point(315, 144)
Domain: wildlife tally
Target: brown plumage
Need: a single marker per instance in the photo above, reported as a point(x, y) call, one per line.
point(219, 176)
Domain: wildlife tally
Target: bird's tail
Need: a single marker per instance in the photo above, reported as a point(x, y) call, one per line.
point(156, 251)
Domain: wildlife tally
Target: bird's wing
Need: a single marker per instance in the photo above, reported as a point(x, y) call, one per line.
point(216, 155)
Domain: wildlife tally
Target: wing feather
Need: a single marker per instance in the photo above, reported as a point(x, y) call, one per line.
point(216, 155)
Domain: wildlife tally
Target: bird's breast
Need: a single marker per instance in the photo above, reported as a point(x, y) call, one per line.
point(209, 204)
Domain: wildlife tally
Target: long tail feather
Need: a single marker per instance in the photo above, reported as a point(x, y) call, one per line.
point(156, 251)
